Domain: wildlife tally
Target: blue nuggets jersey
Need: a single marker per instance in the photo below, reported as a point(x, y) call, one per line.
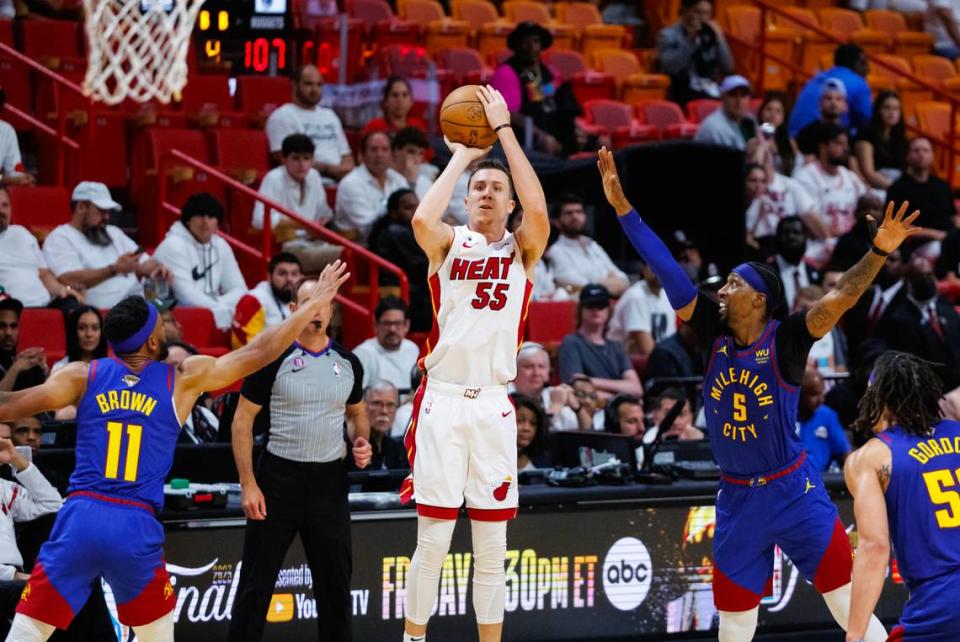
point(751, 412)
point(923, 504)
point(126, 432)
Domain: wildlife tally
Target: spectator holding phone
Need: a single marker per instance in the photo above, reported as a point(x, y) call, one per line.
point(99, 256)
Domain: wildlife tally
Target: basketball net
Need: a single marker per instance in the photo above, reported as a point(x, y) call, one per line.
point(138, 48)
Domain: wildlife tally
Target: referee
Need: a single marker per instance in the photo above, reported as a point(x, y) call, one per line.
point(301, 483)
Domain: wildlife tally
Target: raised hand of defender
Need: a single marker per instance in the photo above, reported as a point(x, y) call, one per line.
point(895, 227)
point(333, 276)
point(611, 182)
point(494, 105)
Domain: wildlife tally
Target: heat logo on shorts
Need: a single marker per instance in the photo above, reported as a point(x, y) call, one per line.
point(500, 488)
point(281, 608)
point(25, 594)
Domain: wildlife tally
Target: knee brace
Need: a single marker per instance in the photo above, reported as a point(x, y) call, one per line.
point(423, 576)
point(489, 578)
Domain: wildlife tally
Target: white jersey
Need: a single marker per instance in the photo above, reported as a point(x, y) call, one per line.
point(480, 296)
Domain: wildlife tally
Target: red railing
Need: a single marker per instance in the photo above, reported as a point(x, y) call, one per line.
point(173, 158)
point(762, 55)
point(59, 135)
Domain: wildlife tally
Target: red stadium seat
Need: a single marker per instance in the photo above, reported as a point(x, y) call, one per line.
point(15, 80)
point(548, 322)
point(207, 102)
point(697, 110)
point(618, 120)
point(567, 62)
point(466, 65)
point(40, 208)
point(6, 32)
point(52, 42)
point(667, 117)
point(242, 154)
point(200, 330)
point(324, 50)
point(257, 96)
point(43, 327)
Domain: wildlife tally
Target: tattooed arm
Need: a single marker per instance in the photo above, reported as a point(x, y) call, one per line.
point(825, 313)
point(867, 473)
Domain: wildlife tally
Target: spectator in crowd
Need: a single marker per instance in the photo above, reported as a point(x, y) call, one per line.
point(881, 146)
point(362, 194)
point(409, 147)
point(829, 355)
point(835, 190)
point(396, 104)
point(850, 68)
point(624, 416)
point(27, 431)
point(788, 261)
point(533, 90)
point(925, 325)
point(405, 410)
point(948, 263)
point(833, 108)
point(532, 436)
point(694, 53)
point(268, 303)
point(202, 424)
point(586, 393)
point(854, 244)
point(85, 338)
point(731, 124)
point(559, 403)
point(942, 21)
point(98, 256)
point(682, 428)
point(23, 369)
point(544, 284)
point(177, 351)
point(296, 186)
point(12, 171)
point(872, 314)
point(687, 254)
point(382, 400)
point(588, 352)
point(818, 425)
point(392, 238)
point(577, 259)
point(925, 192)
point(24, 274)
point(844, 397)
point(643, 316)
point(332, 157)
point(389, 355)
point(786, 155)
point(675, 356)
point(206, 273)
point(172, 330)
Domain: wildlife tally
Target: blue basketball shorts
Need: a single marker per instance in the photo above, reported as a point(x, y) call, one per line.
point(930, 615)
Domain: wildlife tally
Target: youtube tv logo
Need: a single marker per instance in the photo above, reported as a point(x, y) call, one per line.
point(281, 608)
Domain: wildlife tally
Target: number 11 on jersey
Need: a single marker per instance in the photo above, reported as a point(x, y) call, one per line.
point(115, 436)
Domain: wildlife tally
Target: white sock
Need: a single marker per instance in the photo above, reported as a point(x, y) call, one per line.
point(27, 629)
point(413, 638)
point(160, 630)
point(423, 576)
point(489, 577)
point(738, 626)
point(838, 601)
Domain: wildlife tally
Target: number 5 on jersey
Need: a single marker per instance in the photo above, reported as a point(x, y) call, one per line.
point(937, 481)
point(115, 437)
point(495, 300)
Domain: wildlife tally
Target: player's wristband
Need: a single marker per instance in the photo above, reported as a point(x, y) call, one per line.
point(499, 127)
point(676, 283)
point(876, 250)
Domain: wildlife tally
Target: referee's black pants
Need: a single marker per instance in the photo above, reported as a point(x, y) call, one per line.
point(309, 499)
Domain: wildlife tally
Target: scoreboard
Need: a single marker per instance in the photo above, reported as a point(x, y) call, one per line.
point(254, 36)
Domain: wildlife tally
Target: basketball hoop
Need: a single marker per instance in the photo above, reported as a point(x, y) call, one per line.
point(138, 48)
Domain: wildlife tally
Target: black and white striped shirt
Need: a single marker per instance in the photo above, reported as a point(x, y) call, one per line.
point(304, 395)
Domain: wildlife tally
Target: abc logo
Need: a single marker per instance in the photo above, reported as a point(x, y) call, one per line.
point(627, 573)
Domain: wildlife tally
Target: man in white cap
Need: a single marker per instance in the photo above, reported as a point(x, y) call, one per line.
point(731, 125)
point(96, 255)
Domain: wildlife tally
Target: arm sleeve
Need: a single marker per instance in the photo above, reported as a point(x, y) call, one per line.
point(258, 386)
point(675, 281)
point(568, 360)
point(793, 345)
point(35, 498)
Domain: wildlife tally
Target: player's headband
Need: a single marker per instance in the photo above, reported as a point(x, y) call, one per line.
point(138, 338)
point(753, 276)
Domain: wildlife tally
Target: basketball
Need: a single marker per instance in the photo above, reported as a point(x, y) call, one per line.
point(463, 120)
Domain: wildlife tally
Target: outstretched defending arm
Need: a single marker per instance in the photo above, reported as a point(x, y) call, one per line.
point(202, 373)
point(827, 311)
point(679, 289)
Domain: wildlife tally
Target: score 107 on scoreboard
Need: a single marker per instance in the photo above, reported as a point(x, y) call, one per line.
point(254, 36)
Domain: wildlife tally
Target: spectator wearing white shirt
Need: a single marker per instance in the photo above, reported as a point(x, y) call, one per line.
point(576, 258)
point(389, 355)
point(268, 303)
point(560, 404)
point(942, 21)
point(98, 256)
point(834, 188)
point(206, 274)
point(295, 185)
point(362, 194)
point(332, 157)
point(544, 286)
point(12, 171)
point(409, 146)
point(643, 316)
point(24, 274)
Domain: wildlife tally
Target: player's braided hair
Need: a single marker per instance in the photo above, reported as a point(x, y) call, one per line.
point(908, 388)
